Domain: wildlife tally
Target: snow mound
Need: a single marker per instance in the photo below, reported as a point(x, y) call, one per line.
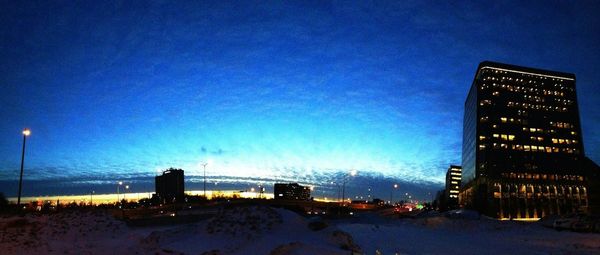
point(59, 232)
point(434, 222)
point(248, 221)
point(238, 230)
point(299, 248)
point(463, 214)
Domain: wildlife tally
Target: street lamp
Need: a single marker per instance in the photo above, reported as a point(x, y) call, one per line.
point(337, 185)
point(119, 190)
point(352, 173)
point(204, 165)
point(26, 133)
point(92, 198)
point(125, 194)
point(392, 193)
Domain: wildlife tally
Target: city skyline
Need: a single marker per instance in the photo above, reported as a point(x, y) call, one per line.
point(265, 92)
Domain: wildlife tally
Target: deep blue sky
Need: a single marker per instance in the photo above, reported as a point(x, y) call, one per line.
point(289, 91)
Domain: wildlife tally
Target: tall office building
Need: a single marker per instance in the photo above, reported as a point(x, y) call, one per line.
point(453, 177)
point(170, 186)
point(522, 146)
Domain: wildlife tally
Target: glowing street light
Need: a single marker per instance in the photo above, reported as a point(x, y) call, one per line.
point(392, 193)
point(352, 173)
point(92, 198)
point(119, 190)
point(26, 133)
point(337, 185)
point(204, 166)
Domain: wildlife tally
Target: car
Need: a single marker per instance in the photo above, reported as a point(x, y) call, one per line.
point(563, 223)
point(597, 226)
point(548, 220)
point(583, 224)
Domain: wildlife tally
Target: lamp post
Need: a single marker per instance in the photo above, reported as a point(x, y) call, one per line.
point(352, 173)
point(337, 186)
point(392, 194)
point(92, 198)
point(26, 133)
point(125, 194)
point(204, 165)
point(119, 190)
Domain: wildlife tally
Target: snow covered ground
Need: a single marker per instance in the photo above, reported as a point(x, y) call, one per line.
point(240, 230)
point(265, 230)
point(441, 235)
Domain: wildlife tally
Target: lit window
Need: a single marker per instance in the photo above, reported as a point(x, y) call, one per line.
point(503, 119)
point(511, 137)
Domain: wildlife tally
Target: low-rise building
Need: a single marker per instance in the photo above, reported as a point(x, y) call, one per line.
point(291, 191)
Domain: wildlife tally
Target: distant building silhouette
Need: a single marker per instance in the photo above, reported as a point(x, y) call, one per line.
point(170, 186)
point(522, 145)
point(453, 176)
point(440, 200)
point(291, 191)
point(592, 171)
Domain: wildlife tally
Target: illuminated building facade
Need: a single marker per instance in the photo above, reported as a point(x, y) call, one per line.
point(169, 186)
point(291, 191)
point(522, 145)
point(453, 177)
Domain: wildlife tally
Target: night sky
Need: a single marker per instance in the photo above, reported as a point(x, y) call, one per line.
point(265, 91)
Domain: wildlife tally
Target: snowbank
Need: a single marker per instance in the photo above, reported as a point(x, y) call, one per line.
point(239, 230)
point(443, 235)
